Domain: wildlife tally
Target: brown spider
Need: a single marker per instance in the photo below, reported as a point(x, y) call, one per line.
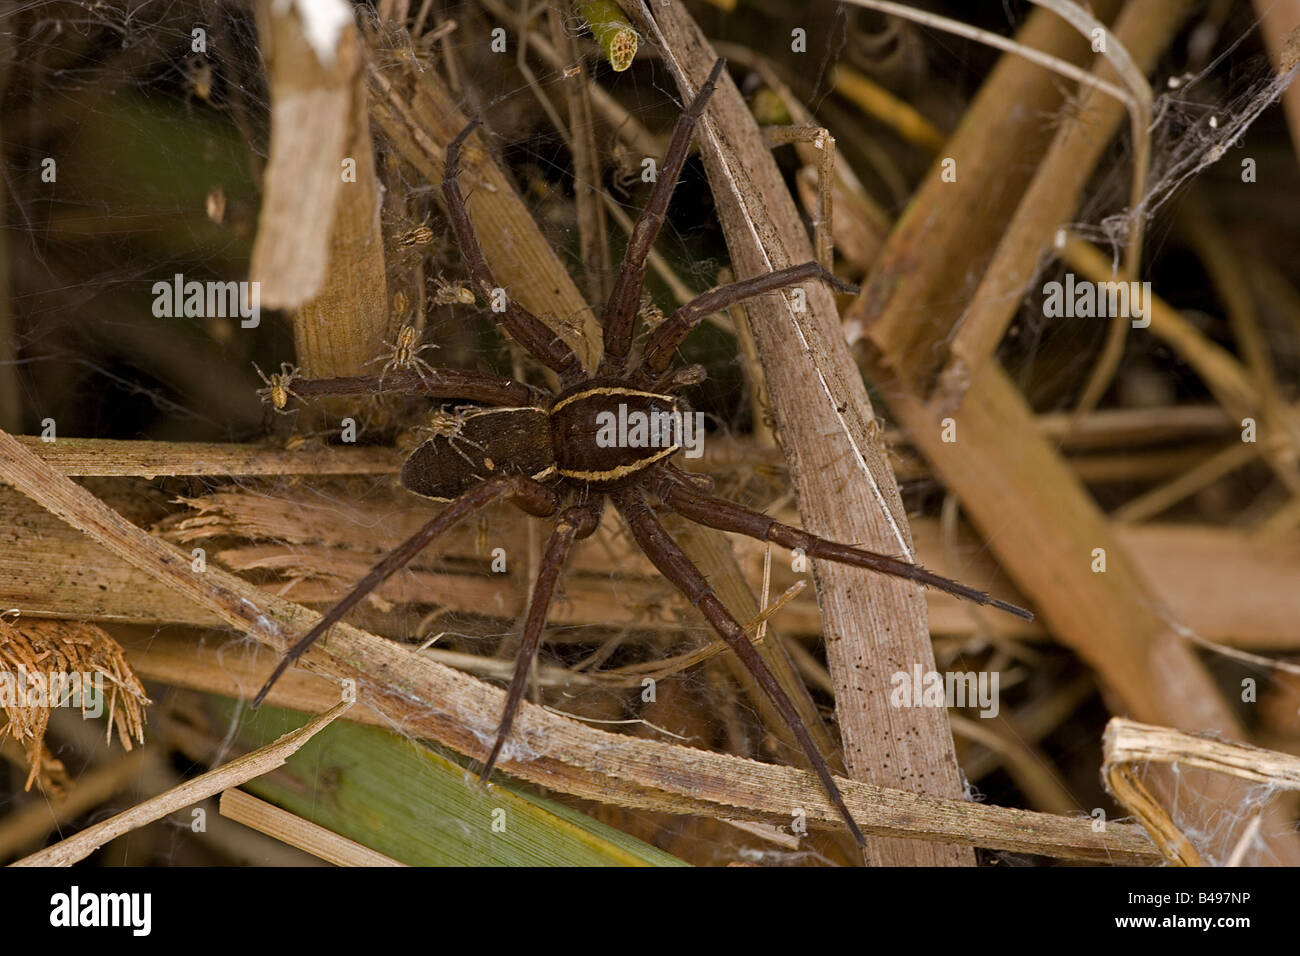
point(450, 426)
point(278, 386)
point(543, 451)
point(404, 354)
point(451, 293)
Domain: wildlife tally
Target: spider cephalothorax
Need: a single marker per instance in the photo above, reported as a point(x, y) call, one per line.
point(609, 436)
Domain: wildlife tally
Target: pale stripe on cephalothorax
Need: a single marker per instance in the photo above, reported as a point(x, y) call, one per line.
point(478, 411)
point(622, 471)
point(607, 390)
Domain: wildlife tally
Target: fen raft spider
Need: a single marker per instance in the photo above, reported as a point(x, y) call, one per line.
point(541, 451)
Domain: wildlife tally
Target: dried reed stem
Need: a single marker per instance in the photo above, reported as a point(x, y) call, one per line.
point(232, 774)
point(296, 832)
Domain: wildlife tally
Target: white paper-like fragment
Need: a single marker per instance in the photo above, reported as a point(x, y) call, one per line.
point(322, 23)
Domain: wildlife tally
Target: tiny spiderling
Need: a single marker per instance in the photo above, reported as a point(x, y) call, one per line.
point(278, 386)
point(451, 293)
point(404, 355)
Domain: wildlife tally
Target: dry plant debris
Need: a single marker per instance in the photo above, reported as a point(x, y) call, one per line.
point(52, 664)
point(1134, 478)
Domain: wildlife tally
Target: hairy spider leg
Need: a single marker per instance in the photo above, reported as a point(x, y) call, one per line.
point(574, 524)
point(674, 565)
point(712, 512)
point(453, 434)
point(668, 336)
point(620, 310)
point(444, 383)
point(528, 330)
point(451, 443)
point(529, 495)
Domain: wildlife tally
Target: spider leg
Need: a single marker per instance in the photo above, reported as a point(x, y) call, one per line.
point(435, 382)
point(674, 565)
point(386, 358)
point(664, 341)
point(574, 524)
point(620, 310)
point(523, 326)
point(532, 496)
point(422, 367)
point(703, 508)
point(451, 443)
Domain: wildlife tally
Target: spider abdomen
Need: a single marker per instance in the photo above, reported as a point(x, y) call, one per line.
point(605, 432)
point(478, 445)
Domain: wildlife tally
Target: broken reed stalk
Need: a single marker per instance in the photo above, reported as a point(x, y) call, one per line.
point(526, 265)
point(232, 774)
point(1216, 577)
point(906, 309)
point(455, 709)
point(302, 834)
point(1144, 27)
point(612, 31)
point(1129, 745)
point(845, 487)
point(1130, 742)
point(28, 826)
point(319, 248)
point(155, 459)
point(1000, 467)
point(1131, 794)
point(418, 114)
point(630, 129)
point(175, 660)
